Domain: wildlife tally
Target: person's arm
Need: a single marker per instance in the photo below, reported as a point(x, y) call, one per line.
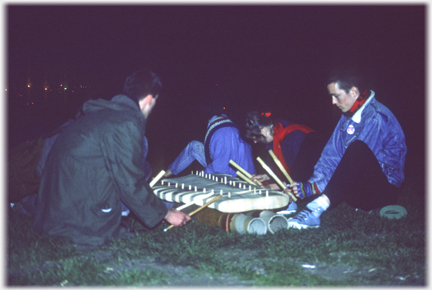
point(123, 157)
point(329, 160)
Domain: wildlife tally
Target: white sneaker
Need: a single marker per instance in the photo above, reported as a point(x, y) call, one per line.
point(292, 208)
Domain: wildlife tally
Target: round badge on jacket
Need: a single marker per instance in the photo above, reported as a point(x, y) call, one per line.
point(350, 129)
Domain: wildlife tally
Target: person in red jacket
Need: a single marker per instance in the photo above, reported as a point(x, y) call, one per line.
point(297, 146)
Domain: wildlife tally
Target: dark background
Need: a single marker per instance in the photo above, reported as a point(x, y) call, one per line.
point(267, 58)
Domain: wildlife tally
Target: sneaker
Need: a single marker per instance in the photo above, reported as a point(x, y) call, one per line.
point(305, 219)
point(292, 208)
point(393, 212)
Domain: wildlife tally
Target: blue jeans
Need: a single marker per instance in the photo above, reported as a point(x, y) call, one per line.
point(193, 151)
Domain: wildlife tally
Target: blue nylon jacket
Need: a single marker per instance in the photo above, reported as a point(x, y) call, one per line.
point(226, 144)
point(375, 125)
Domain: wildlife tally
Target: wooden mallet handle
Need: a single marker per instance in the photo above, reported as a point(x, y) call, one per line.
point(279, 164)
point(278, 181)
point(198, 209)
point(241, 175)
point(247, 174)
point(156, 179)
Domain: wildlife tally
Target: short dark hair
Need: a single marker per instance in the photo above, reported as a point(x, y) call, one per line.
point(142, 83)
point(255, 122)
point(347, 78)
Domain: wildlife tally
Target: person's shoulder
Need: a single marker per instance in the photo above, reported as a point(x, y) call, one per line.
point(380, 108)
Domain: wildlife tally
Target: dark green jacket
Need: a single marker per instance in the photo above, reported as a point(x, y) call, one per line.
point(95, 163)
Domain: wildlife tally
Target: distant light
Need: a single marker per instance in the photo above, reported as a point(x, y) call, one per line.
point(28, 86)
point(6, 90)
point(267, 114)
point(224, 108)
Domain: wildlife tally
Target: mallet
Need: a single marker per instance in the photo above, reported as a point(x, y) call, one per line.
point(156, 179)
point(198, 209)
point(279, 164)
point(247, 174)
point(278, 181)
point(245, 178)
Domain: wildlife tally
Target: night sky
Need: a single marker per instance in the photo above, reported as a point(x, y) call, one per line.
point(269, 58)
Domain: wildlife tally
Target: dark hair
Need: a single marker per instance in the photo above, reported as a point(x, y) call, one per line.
point(255, 122)
point(142, 83)
point(347, 78)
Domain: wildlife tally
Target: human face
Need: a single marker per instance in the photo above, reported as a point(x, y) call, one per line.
point(344, 101)
point(266, 136)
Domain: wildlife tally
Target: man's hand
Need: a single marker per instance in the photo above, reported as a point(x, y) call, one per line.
point(303, 189)
point(293, 189)
point(259, 177)
point(272, 186)
point(177, 218)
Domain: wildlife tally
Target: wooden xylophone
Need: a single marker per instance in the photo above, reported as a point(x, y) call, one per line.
point(237, 195)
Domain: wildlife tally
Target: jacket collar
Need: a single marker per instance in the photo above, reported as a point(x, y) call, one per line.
point(125, 100)
point(357, 116)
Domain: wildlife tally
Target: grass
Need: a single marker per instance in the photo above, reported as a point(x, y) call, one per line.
point(351, 248)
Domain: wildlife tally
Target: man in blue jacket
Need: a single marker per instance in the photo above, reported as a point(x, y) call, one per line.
point(363, 161)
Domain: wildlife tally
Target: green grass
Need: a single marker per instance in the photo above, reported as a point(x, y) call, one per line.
point(351, 248)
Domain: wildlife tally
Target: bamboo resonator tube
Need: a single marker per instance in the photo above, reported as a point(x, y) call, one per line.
point(247, 174)
point(278, 181)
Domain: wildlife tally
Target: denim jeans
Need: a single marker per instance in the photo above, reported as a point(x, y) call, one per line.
point(193, 151)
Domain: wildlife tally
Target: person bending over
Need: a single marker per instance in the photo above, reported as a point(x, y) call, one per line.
point(297, 147)
point(95, 165)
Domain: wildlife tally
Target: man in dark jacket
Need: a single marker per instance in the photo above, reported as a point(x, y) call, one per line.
point(96, 164)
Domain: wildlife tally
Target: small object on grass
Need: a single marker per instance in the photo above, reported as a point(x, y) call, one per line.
point(308, 266)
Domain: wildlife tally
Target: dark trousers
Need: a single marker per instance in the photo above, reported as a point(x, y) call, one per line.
point(359, 181)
